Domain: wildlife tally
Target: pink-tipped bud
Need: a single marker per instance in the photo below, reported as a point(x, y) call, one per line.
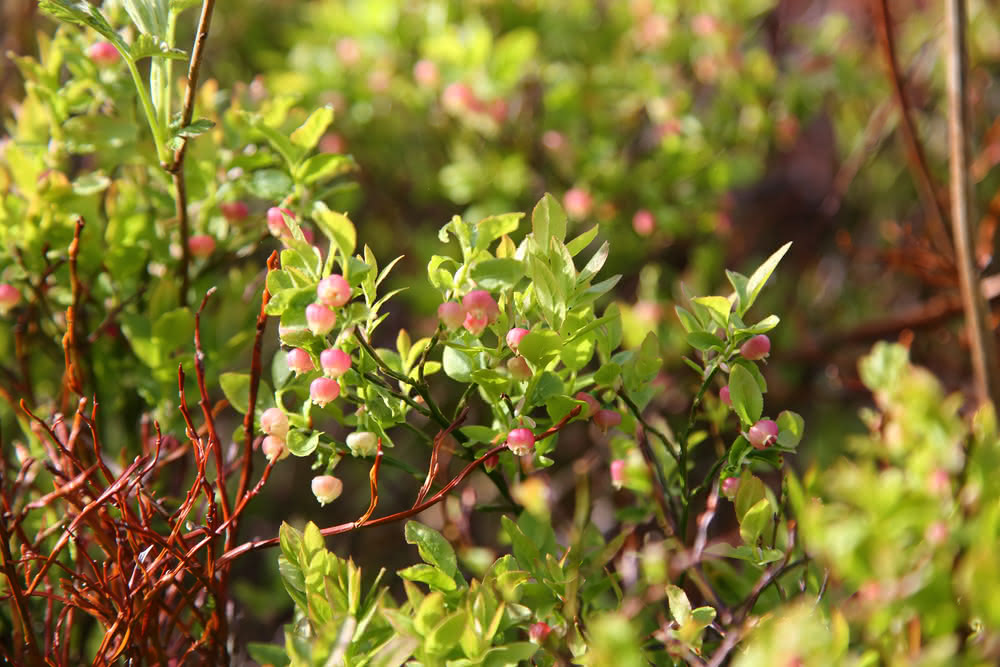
point(326, 488)
point(103, 54)
point(426, 74)
point(333, 291)
point(348, 50)
point(514, 337)
point(362, 443)
point(234, 211)
point(725, 397)
point(539, 632)
point(553, 140)
point(320, 319)
point(9, 297)
point(730, 486)
point(333, 143)
point(323, 390)
point(274, 448)
point(593, 405)
point(519, 369)
point(578, 203)
point(458, 97)
point(606, 419)
point(756, 348)
point(299, 361)
point(643, 222)
point(763, 434)
point(521, 441)
point(491, 462)
point(276, 222)
point(201, 245)
point(274, 422)
point(618, 473)
point(480, 311)
point(451, 314)
point(334, 362)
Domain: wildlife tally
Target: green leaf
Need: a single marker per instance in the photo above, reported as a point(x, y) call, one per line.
point(509, 654)
point(702, 340)
point(754, 521)
point(756, 282)
point(337, 227)
point(267, 654)
point(577, 352)
point(445, 636)
point(576, 246)
point(525, 551)
point(718, 307)
point(300, 445)
point(271, 184)
point(595, 264)
point(545, 386)
point(760, 557)
point(429, 575)
point(608, 374)
point(548, 220)
point(323, 167)
point(149, 15)
point(739, 283)
point(458, 365)
point(147, 46)
point(490, 229)
point(750, 492)
point(748, 402)
point(497, 274)
point(680, 607)
point(433, 548)
point(763, 326)
point(790, 429)
point(688, 321)
point(236, 387)
point(540, 347)
point(307, 135)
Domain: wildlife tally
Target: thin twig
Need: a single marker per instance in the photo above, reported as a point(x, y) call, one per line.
point(980, 335)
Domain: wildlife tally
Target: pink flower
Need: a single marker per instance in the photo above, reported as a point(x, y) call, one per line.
point(756, 348)
point(274, 448)
point(326, 488)
point(201, 245)
point(103, 54)
point(335, 362)
point(643, 222)
point(763, 434)
point(323, 390)
point(618, 473)
point(519, 369)
point(362, 443)
point(9, 297)
point(606, 419)
point(320, 319)
point(451, 314)
point(480, 311)
point(276, 221)
point(458, 97)
point(539, 632)
point(578, 203)
point(234, 211)
point(730, 486)
point(300, 361)
point(725, 397)
point(592, 404)
point(274, 422)
point(514, 337)
point(333, 291)
point(521, 441)
point(426, 74)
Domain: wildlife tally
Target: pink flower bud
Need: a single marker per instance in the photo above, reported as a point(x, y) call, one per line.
point(593, 405)
point(333, 143)
point(539, 632)
point(578, 203)
point(763, 434)
point(451, 314)
point(491, 462)
point(274, 422)
point(334, 362)
point(276, 221)
point(300, 361)
point(201, 245)
point(730, 486)
point(348, 50)
point(103, 54)
point(521, 441)
point(756, 348)
point(643, 222)
point(9, 297)
point(458, 97)
point(725, 397)
point(362, 443)
point(480, 311)
point(426, 74)
point(333, 291)
point(606, 419)
point(514, 337)
point(320, 319)
point(234, 211)
point(326, 488)
point(519, 369)
point(618, 473)
point(323, 390)
point(554, 141)
point(274, 448)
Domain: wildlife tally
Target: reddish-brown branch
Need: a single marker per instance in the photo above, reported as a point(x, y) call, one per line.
point(915, 151)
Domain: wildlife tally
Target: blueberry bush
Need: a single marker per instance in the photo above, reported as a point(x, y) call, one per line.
point(235, 348)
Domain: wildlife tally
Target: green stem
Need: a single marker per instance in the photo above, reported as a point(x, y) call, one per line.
point(147, 107)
